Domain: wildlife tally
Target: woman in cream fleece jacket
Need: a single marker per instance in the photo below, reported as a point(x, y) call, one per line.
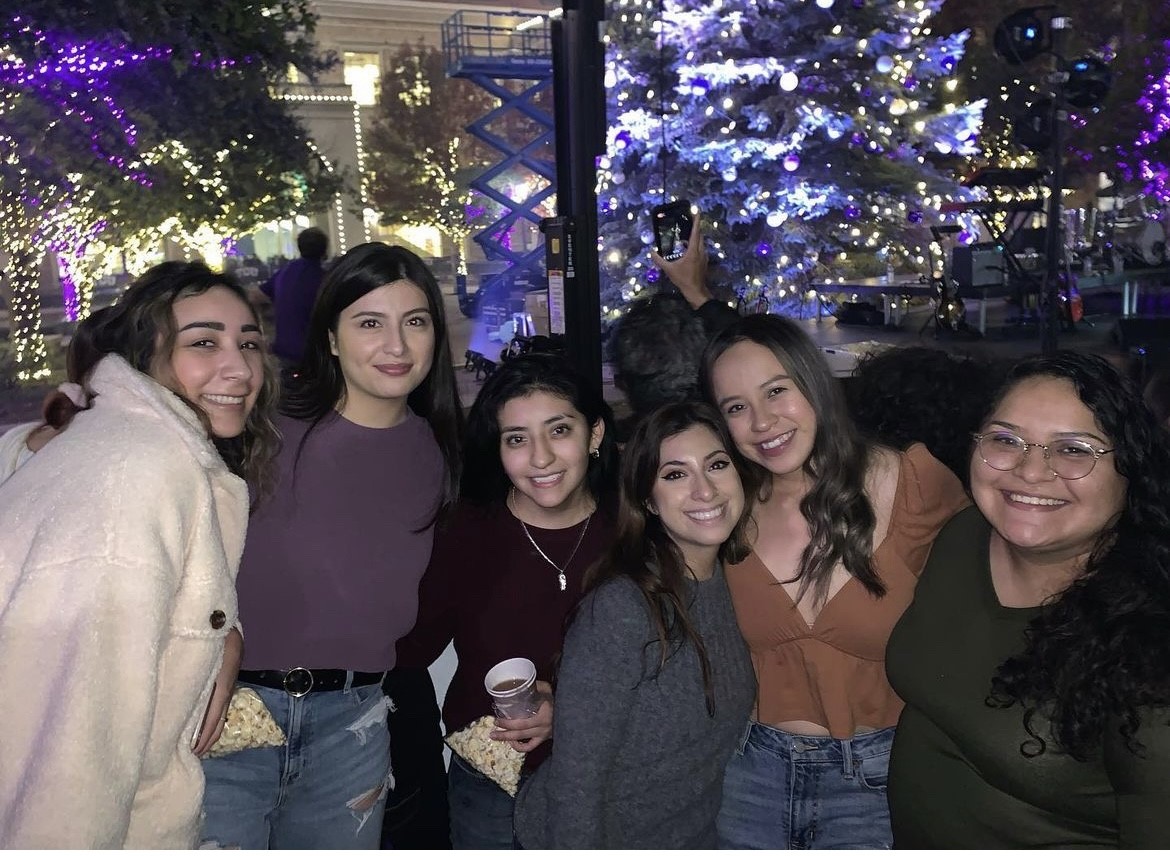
point(118, 554)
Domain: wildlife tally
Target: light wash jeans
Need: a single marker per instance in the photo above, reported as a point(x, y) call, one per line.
point(783, 791)
point(325, 789)
point(481, 811)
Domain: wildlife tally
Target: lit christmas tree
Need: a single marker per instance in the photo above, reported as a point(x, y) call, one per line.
point(817, 137)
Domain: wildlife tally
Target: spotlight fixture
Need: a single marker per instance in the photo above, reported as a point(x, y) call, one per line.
point(1089, 80)
point(1023, 35)
point(1032, 128)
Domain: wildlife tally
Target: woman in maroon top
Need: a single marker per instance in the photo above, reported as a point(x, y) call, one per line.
point(540, 469)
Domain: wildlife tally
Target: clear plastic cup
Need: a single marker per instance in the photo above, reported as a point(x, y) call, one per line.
point(512, 686)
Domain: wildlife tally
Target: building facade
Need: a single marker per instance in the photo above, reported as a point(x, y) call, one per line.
point(365, 35)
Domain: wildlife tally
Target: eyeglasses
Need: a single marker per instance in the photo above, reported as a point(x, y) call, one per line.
point(1069, 459)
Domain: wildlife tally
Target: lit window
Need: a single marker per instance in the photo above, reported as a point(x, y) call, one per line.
point(363, 74)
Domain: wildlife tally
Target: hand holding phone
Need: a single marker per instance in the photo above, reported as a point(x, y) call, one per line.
point(672, 228)
point(686, 269)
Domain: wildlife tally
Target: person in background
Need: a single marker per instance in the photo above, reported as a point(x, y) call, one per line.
point(907, 395)
point(293, 290)
point(656, 348)
point(118, 558)
point(842, 531)
point(330, 574)
point(655, 683)
point(538, 496)
point(1033, 660)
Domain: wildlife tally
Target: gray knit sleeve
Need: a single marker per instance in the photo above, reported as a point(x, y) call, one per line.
point(566, 805)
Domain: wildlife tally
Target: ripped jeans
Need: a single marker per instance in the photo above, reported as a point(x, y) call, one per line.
point(325, 789)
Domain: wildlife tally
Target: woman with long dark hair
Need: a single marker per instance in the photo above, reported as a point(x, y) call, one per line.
point(655, 684)
point(329, 577)
point(118, 557)
point(842, 531)
point(538, 497)
point(1033, 660)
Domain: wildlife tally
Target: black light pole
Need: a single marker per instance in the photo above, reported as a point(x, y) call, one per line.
point(1054, 234)
point(571, 237)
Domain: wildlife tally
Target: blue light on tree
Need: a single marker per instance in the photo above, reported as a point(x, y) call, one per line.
point(808, 129)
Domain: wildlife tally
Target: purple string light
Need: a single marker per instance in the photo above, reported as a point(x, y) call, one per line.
point(75, 78)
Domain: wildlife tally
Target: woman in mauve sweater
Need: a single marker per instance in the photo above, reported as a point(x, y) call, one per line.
point(333, 557)
point(538, 482)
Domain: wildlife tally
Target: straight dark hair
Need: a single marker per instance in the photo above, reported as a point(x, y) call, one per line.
point(840, 517)
point(484, 479)
point(643, 550)
point(321, 384)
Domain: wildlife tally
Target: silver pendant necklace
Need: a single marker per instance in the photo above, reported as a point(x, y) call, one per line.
point(560, 570)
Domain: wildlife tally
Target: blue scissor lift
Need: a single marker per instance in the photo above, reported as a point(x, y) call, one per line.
point(493, 50)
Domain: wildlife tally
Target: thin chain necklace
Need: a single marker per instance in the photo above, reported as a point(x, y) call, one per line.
point(560, 571)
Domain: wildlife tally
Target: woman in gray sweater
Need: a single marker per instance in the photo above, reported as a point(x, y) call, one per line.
point(655, 684)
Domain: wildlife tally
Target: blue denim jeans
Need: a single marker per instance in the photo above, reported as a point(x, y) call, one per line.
point(481, 811)
point(325, 789)
point(782, 791)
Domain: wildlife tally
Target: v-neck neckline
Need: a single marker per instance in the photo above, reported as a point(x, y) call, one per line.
point(898, 488)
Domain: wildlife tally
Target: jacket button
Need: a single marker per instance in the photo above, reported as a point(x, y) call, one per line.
point(218, 619)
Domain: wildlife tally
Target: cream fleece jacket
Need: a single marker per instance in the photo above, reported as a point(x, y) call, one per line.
point(13, 448)
point(119, 546)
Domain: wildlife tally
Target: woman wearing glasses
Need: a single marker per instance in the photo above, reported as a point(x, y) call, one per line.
point(1033, 660)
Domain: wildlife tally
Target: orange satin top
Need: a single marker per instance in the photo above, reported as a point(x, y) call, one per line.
point(834, 672)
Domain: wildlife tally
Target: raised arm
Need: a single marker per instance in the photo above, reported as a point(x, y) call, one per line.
point(689, 272)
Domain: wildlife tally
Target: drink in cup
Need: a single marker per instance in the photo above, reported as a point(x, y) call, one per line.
point(512, 686)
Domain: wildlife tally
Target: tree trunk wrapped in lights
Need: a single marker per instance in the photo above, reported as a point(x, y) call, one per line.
point(124, 117)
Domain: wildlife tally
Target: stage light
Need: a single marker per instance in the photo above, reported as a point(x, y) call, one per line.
point(1032, 129)
point(1022, 36)
point(1089, 80)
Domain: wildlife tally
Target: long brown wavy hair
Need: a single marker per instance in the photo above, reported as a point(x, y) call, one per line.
point(140, 327)
point(840, 517)
point(643, 550)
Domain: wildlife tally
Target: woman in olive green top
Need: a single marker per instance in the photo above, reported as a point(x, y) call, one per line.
point(1035, 658)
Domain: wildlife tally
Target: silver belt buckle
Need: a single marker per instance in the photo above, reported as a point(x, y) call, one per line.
point(298, 682)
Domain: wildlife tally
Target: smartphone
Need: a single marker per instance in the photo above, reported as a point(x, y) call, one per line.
point(672, 228)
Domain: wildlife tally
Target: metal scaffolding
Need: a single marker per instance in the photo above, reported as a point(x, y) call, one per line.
point(495, 50)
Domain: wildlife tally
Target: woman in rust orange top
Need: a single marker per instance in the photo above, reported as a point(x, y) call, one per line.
point(842, 532)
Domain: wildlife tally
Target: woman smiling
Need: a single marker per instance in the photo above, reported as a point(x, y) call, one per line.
point(1033, 660)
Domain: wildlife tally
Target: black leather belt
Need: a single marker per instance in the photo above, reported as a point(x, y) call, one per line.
point(298, 682)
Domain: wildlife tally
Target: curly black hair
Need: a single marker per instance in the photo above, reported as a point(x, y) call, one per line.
point(901, 396)
point(1096, 654)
